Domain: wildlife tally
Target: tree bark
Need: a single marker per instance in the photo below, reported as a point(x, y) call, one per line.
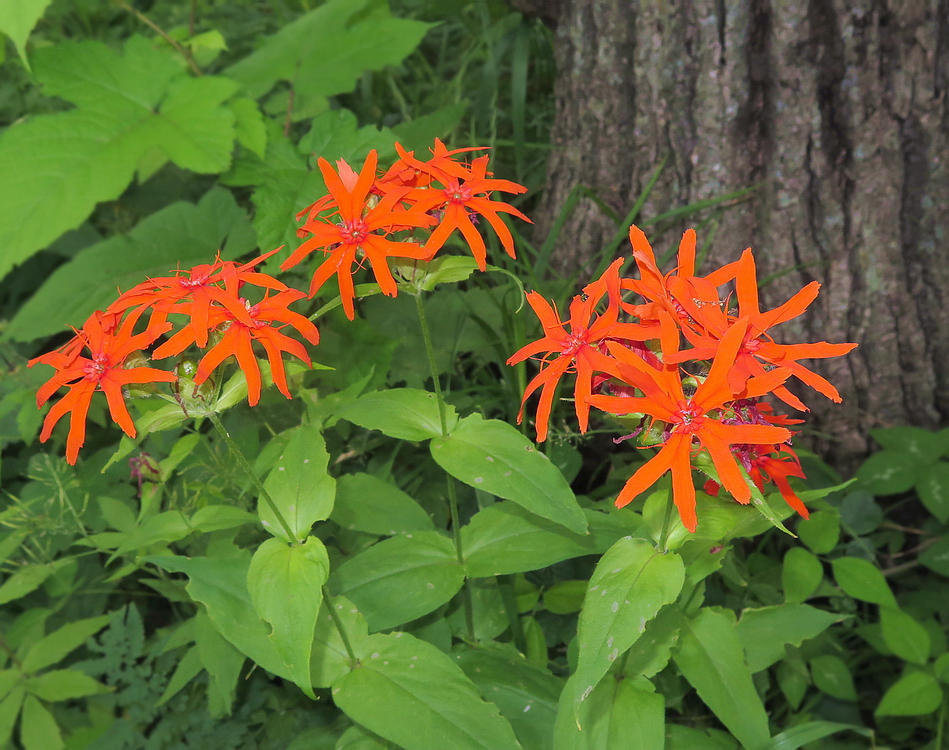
point(837, 111)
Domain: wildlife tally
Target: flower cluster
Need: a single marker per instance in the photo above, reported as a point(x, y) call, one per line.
point(690, 368)
point(207, 307)
point(363, 212)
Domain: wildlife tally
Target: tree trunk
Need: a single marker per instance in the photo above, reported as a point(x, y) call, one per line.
point(838, 111)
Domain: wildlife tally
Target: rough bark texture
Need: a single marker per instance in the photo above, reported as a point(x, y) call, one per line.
point(838, 110)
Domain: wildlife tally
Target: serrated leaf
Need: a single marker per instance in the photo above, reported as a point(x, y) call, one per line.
point(56, 645)
point(38, 728)
point(63, 685)
point(712, 659)
point(400, 579)
point(765, 631)
point(249, 128)
point(504, 538)
point(129, 106)
point(420, 699)
point(494, 457)
point(299, 485)
point(403, 413)
point(179, 236)
point(913, 694)
point(368, 504)
point(863, 580)
point(631, 583)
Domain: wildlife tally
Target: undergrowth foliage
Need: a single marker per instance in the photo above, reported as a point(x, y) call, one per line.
point(318, 525)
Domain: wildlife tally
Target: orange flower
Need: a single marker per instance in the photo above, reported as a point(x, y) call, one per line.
point(691, 419)
point(580, 349)
point(109, 347)
point(358, 228)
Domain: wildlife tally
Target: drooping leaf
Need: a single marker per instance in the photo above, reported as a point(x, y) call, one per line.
point(493, 456)
point(400, 579)
point(404, 413)
point(712, 659)
point(420, 699)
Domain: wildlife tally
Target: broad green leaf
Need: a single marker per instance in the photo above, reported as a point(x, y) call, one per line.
point(447, 269)
point(366, 503)
point(329, 659)
point(832, 676)
point(360, 738)
point(220, 584)
point(494, 457)
point(712, 659)
point(419, 133)
point(821, 531)
point(801, 574)
point(765, 631)
point(222, 661)
point(420, 699)
point(933, 489)
point(299, 485)
point(622, 713)
point(936, 557)
point(794, 680)
point(129, 106)
point(249, 128)
point(400, 579)
point(680, 737)
point(631, 583)
point(651, 652)
point(526, 696)
point(38, 728)
point(923, 445)
point(505, 538)
point(216, 517)
point(860, 513)
point(565, 597)
point(889, 472)
point(913, 694)
point(802, 734)
point(404, 413)
point(863, 580)
point(178, 236)
point(335, 134)
point(62, 641)
point(285, 584)
point(904, 635)
point(63, 685)
point(17, 20)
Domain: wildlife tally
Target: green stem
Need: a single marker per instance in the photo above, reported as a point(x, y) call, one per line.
point(249, 470)
point(339, 626)
point(452, 495)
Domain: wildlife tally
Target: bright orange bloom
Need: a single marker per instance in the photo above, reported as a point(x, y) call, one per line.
point(109, 347)
point(691, 419)
point(758, 351)
point(238, 337)
point(411, 172)
point(463, 196)
point(358, 229)
point(580, 349)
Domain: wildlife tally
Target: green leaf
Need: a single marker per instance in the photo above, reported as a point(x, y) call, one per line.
point(419, 133)
point(63, 685)
point(360, 738)
point(38, 728)
point(420, 699)
point(129, 107)
point(368, 504)
point(863, 580)
point(904, 635)
point(679, 737)
point(631, 583)
point(621, 713)
point(923, 445)
point(222, 661)
point(9, 710)
point(832, 676)
point(188, 668)
point(180, 235)
point(401, 578)
point(802, 734)
point(565, 597)
point(765, 631)
point(27, 579)
point(403, 413)
point(933, 489)
point(504, 538)
point(492, 456)
point(285, 584)
point(51, 648)
point(220, 584)
point(913, 694)
point(249, 128)
point(889, 472)
point(335, 134)
point(936, 557)
point(447, 269)
point(329, 659)
point(216, 517)
point(712, 659)
point(299, 485)
point(17, 20)
point(801, 574)
point(821, 531)
point(526, 696)
point(162, 528)
point(651, 652)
